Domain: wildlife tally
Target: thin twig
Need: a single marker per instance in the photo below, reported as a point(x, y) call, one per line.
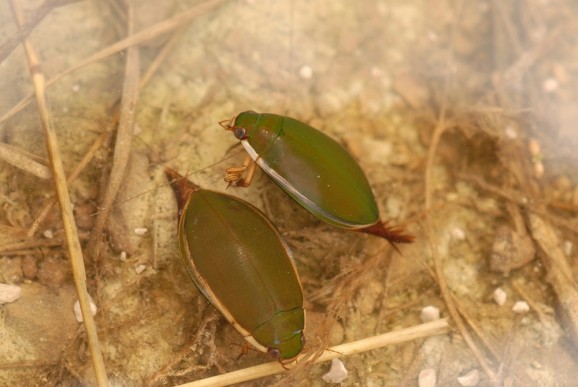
point(445, 291)
point(417, 332)
point(134, 40)
point(33, 20)
point(73, 176)
point(123, 142)
point(559, 272)
point(17, 158)
point(161, 56)
point(73, 242)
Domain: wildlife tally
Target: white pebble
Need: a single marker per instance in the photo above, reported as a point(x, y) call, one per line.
point(306, 72)
point(427, 378)
point(550, 85)
point(123, 256)
point(534, 147)
point(568, 245)
point(429, 313)
point(141, 230)
point(511, 133)
point(48, 234)
point(470, 379)
point(78, 313)
point(337, 373)
point(140, 268)
point(432, 36)
point(459, 233)
point(521, 307)
point(500, 296)
point(9, 293)
point(376, 72)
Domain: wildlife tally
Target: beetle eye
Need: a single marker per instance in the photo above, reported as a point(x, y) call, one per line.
point(240, 133)
point(274, 353)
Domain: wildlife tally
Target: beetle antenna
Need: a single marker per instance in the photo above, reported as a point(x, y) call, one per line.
point(393, 235)
point(226, 124)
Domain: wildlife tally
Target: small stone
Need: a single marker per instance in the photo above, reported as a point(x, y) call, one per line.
point(427, 378)
point(48, 234)
point(9, 293)
point(140, 268)
point(123, 256)
point(29, 268)
point(337, 373)
point(568, 245)
point(534, 147)
point(511, 249)
point(432, 36)
point(470, 379)
point(459, 234)
point(510, 132)
point(141, 230)
point(500, 296)
point(550, 85)
point(376, 72)
point(11, 270)
point(521, 307)
point(53, 271)
point(306, 72)
point(78, 313)
point(429, 313)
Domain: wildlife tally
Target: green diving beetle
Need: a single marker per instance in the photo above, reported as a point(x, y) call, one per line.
point(240, 263)
point(312, 168)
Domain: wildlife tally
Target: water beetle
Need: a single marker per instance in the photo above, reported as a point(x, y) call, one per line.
point(240, 263)
point(312, 168)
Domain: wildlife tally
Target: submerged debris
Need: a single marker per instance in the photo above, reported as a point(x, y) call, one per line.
point(427, 378)
point(470, 379)
point(9, 293)
point(337, 373)
point(430, 313)
point(521, 307)
point(500, 296)
point(78, 313)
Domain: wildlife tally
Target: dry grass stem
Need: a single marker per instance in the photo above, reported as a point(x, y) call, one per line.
point(33, 20)
point(17, 158)
point(559, 272)
point(73, 176)
point(162, 56)
point(20, 247)
point(73, 242)
point(134, 40)
point(417, 332)
point(490, 346)
point(122, 148)
point(446, 292)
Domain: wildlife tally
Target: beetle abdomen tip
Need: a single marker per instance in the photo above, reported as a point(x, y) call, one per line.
point(392, 234)
point(182, 186)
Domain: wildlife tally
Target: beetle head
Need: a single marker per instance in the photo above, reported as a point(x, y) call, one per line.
point(288, 349)
point(239, 132)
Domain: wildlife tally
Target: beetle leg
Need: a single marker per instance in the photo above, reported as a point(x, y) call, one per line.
point(251, 168)
point(244, 350)
point(234, 175)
